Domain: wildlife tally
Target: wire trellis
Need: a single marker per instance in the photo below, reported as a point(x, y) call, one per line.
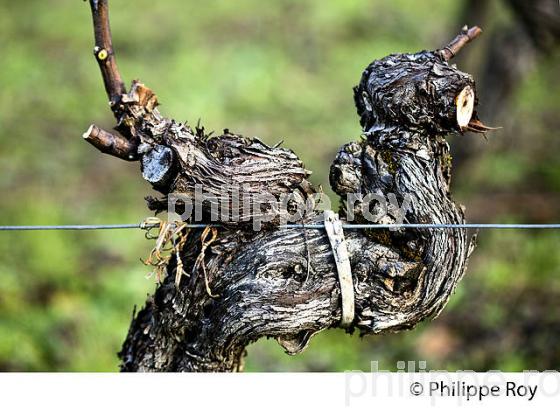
point(290, 226)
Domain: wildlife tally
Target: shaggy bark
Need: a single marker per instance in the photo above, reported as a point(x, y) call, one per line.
point(511, 51)
point(282, 283)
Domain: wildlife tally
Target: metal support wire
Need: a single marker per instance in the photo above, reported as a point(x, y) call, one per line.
point(66, 227)
point(294, 226)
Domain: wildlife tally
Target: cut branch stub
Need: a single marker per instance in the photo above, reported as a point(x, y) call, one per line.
point(158, 165)
point(464, 104)
point(112, 144)
point(420, 91)
point(414, 91)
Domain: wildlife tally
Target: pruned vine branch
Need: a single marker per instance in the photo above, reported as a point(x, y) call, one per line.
point(467, 35)
point(103, 51)
point(113, 144)
point(246, 284)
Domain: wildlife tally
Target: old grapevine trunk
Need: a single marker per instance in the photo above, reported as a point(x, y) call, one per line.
point(239, 284)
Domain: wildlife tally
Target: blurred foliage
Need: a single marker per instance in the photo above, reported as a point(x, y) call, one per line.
point(282, 70)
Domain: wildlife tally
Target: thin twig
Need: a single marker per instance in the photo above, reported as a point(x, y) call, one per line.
point(103, 51)
point(466, 36)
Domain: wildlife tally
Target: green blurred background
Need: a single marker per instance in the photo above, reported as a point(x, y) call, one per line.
point(282, 70)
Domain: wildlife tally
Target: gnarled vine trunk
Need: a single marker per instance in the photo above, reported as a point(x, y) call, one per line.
point(239, 284)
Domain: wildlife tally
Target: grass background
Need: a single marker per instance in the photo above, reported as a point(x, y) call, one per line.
point(280, 70)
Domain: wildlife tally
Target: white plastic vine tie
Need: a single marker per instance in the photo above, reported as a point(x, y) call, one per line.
point(335, 232)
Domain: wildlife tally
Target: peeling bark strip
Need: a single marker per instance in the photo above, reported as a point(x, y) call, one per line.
point(243, 285)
